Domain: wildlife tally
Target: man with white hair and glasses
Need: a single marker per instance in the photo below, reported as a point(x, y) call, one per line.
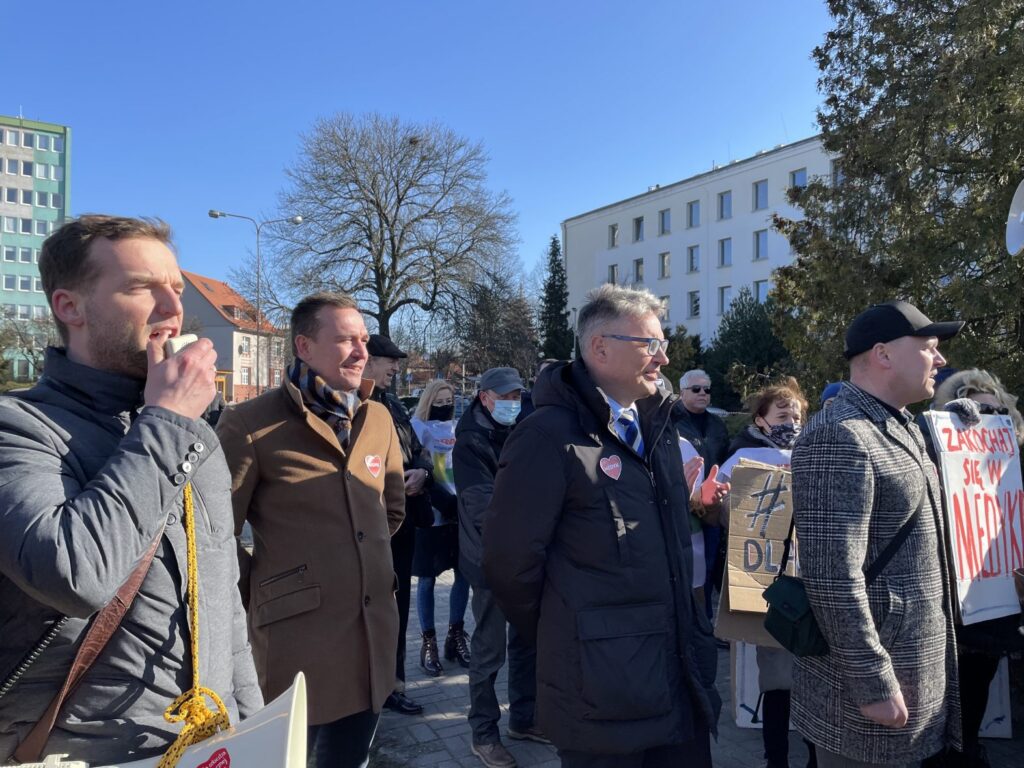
point(587, 551)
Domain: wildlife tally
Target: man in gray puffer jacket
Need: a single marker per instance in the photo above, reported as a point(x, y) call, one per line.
point(93, 461)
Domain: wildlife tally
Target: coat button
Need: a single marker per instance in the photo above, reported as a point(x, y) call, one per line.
point(178, 479)
point(172, 519)
point(366, 600)
point(360, 536)
point(185, 466)
point(197, 447)
point(192, 456)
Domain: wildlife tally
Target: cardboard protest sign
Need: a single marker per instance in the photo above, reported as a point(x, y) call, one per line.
point(984, 505)
point(760, 511)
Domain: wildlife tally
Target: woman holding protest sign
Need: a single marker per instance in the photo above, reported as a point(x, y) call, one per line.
point(980, 646)
point(437, 547)
point(777, 414)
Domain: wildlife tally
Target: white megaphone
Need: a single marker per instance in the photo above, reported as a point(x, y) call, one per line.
point(1015, 223)
point(274, 737)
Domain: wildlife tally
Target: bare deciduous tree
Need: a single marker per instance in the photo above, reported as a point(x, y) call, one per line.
point(396, 214)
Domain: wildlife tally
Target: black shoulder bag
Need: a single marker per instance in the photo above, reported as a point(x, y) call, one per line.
point(790, 619)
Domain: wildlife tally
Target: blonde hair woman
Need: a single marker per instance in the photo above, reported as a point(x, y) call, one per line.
point(437, 547)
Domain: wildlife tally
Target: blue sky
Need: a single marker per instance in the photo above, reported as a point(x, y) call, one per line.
point(177, 108)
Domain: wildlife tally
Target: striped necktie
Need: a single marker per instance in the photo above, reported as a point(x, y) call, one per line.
point(629, 431)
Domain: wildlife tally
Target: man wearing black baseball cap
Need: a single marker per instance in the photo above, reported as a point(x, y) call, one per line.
point(381, 367)
point(862, 480)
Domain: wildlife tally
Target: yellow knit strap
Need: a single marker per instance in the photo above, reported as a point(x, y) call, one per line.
point(201, 722)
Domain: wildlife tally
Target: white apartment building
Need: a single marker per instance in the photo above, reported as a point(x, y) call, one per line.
point(696, 242)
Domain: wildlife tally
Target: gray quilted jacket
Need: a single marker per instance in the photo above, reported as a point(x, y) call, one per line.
point(858, 475)
point(86, 482)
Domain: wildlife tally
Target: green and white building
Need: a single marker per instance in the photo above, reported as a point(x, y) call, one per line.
point(35, 180)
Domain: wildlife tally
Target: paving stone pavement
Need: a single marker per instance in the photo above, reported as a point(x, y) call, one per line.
point(440, 737)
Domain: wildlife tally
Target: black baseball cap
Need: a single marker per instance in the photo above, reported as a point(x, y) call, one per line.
point(382, 346)
point(881, 323)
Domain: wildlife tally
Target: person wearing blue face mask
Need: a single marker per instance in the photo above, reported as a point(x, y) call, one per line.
point(479, 438)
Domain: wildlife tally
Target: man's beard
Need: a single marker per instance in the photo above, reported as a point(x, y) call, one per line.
point(113, 347)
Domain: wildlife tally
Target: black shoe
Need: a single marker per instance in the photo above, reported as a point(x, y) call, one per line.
point(456, 645)
point(429, 661)
point(494, 755)
point(399, 702)
point(533, 733)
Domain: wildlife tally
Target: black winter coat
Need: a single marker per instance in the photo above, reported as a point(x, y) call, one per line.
point(713, 446)
point(478, 443)
point(587, 550)
point(418, 512)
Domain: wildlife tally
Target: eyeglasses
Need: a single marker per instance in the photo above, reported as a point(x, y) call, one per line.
point(653, 345)
point(698, 390)
point(992, 410)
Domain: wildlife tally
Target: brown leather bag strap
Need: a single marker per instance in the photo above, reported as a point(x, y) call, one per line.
point(102, 628)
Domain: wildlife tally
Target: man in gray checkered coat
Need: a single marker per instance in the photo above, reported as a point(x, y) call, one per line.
point(886, 693)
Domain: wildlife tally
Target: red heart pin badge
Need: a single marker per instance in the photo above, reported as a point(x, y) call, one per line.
point(612, 466)
point(373, 463)
point(219, 759)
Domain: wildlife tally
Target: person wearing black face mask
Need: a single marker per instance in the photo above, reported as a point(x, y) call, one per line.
point(777, 413)
point(437, 547)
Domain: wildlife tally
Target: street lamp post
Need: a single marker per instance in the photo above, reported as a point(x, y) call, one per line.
point(215, 214)
point(573, 355)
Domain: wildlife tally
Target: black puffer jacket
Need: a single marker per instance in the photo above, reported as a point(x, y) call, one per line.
point(478, 443)
point(712, 446)
point(587, 550)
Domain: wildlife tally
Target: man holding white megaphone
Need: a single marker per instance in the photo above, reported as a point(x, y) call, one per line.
point(111, 482)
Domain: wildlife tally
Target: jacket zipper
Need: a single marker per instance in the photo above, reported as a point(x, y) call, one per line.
point(300, 570)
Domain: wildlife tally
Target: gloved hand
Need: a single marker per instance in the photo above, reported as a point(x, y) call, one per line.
point(966, 409)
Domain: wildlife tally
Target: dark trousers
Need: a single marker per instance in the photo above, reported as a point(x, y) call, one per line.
point(775, 728)
point(343, 743)
point(695, 753)
point(712, 578)
point(488, 656)
point(403, 546)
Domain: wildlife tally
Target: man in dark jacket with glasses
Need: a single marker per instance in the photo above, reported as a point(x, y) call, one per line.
point(587, 550)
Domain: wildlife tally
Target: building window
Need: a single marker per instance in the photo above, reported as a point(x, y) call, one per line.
point(26, 197)
point(10, 283)
point(12, 138)
point(43, 142)
point(42, 227)
point(798, 178)
point(613, 235)
point(26, 226)
point(13, 166)
point(56, 200)
point(244, 376)
point(276, 377)
point(664, 265)
point(58, 143)
point(28, 139)
point(665, 221)
point(725, 204)
point(21, 369)
point(638, 229)
point(613, 274)
point(24, 312)
point(638, 270)
point(278, 347)
point(246, 345)
point(25, 255)
point(40, 170)
point(760, 244)
point(693, 213)
point(668, 304)
point(837, 173)
point(761, 288)
point(42, 199)
point(760, 195)
point(37, 284)
point(26, 168)
point(11, 195)
point(35, 255)
point(10, 224)
point(25, 283)
point(38, 313)
point(10, 253)
point(725, 252)
point(56, 173)
point(724, 298)
point(693, 258)
point(693, 303)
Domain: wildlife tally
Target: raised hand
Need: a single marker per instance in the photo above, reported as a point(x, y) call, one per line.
point(183, 383)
